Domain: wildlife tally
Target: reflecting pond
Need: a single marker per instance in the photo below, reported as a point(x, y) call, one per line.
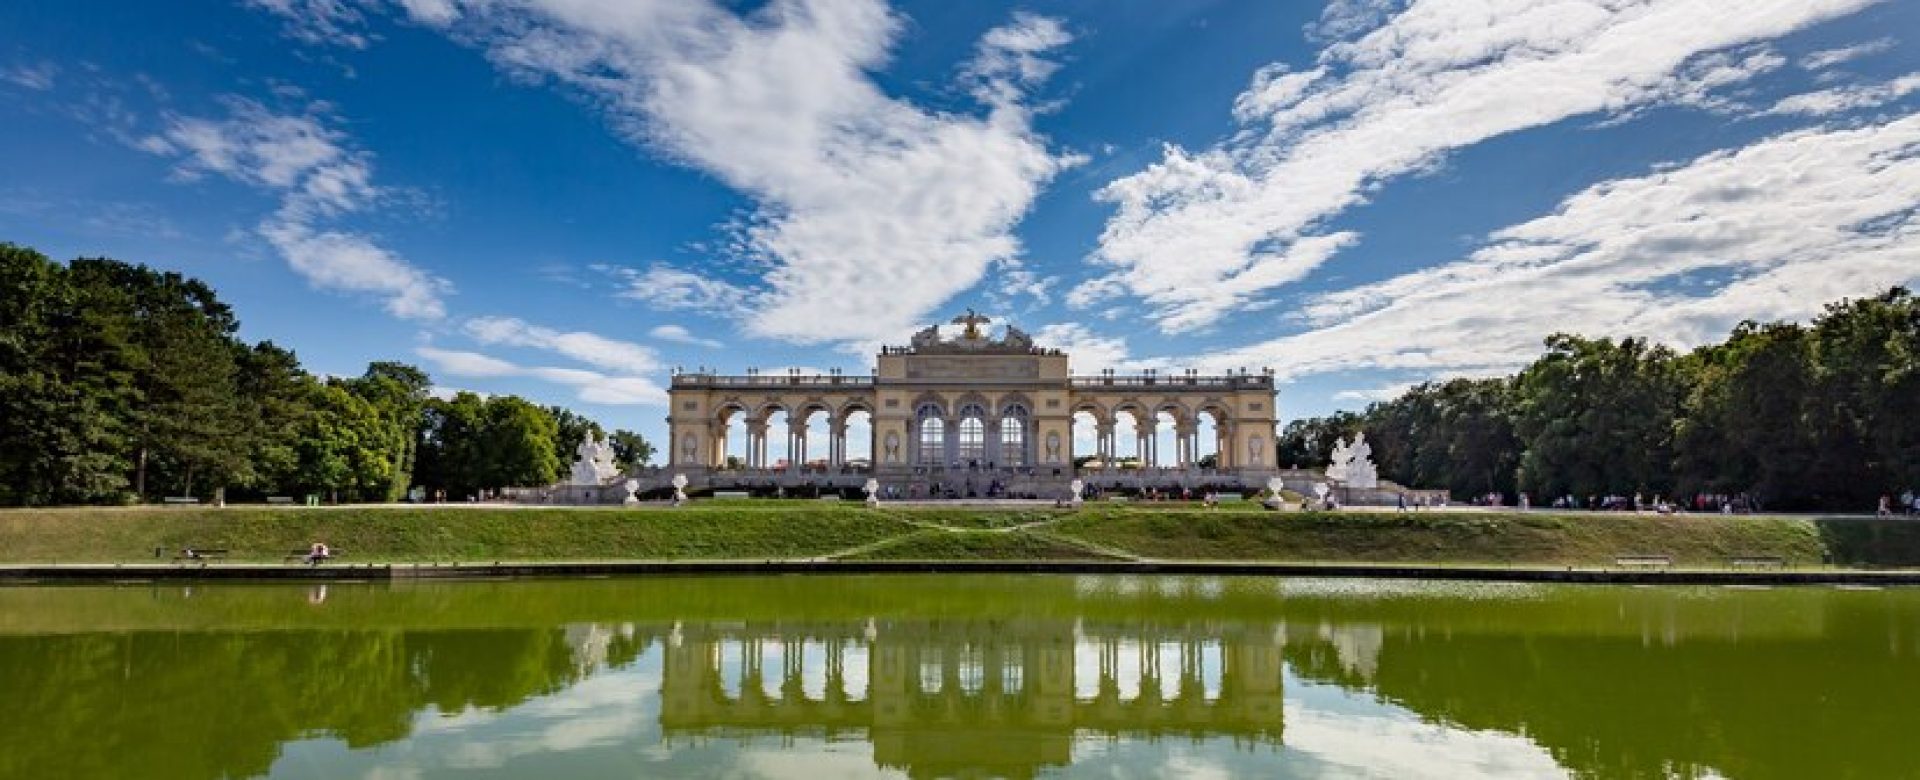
point(945, 676)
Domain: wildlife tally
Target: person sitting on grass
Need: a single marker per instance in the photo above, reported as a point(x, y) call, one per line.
point(318, 553)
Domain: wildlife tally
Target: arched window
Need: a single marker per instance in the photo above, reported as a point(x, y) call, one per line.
point(933, 435)
point(1013, 437)
point(973, 435)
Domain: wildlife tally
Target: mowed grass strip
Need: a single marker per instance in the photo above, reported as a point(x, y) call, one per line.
point(1444, 537)
point(467, 534)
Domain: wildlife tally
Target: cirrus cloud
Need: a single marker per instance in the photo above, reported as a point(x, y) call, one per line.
point(1200, 234)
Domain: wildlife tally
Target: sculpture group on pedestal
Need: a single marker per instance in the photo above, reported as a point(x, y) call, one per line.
point(1352, 465)
point(593, 463)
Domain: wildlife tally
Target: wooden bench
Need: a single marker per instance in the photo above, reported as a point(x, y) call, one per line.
point(732, 494)
point(180, 500)
point(280, 499)
point(1757, 562)
point(301, 556)
point(1643, 560)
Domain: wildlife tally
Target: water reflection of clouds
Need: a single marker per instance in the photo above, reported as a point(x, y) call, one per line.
point(1330, 732)
point(611, 719)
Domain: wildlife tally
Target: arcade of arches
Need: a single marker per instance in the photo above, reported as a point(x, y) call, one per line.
point(974, 408)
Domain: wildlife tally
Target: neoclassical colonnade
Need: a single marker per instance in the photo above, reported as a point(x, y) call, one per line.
point(759, 427)
point(974, 431)
point(1190, 446)
point(974, 401)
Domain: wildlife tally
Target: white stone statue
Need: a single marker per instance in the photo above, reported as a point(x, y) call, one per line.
point(1256, 451)
point(1074, 489)
point(1352, 464)
point(593, 464)
point(1361, 472)
point(893, 447)
point(1053, 447)
point(873, 492)
point(1337, 461)
point(679, 489)
point(631, 499)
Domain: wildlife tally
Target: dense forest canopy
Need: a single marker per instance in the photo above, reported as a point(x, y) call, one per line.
point(120, 383)
point(1824, 415)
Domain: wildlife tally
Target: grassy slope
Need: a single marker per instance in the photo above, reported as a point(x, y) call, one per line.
point(447, 534)
point(1443, 537)
point(938, 545)
point(797, 529)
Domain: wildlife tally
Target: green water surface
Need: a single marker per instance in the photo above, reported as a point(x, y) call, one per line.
point(956, 676)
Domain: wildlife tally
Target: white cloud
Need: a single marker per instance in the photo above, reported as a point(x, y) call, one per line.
point(1851, 98)
point(1089, 351)
point(671, 289)
point(36, 76)
point(318, 177)
point(335, 22)
point(1827, 58)
point(434, 12)
point(590, 348)
point(1699, 81)
point(866, 202)
point(1385, 392)
point(590, 386)
point(347, 261)
point(1774, 230)
point(1200, 234)
point(681, 335)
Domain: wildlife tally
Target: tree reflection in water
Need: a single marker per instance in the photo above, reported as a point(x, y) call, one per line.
point(945, 676)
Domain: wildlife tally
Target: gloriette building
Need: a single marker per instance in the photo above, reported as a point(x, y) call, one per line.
point(971, 413)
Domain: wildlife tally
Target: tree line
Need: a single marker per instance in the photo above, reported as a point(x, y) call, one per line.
point(1822, 415)
point(120, 383)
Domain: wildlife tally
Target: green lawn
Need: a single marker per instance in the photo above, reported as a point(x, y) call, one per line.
point(763, 529)
point(714, 530)
point(1440, 537)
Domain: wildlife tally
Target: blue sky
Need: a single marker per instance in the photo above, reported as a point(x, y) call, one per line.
point(565, 199)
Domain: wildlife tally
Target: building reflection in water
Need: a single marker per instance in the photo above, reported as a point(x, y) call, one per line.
point(996, 697)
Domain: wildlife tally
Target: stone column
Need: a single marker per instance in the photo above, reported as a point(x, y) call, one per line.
point(992, 440)
point(757, 444)
point(951, 442)
point(796, 443)
point(912, 444)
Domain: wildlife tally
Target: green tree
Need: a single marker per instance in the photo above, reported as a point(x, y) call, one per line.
point(275, 393)
point(1598, 416)
point(519, 439)
point(1743, 429)
point(399, 393)
point(1865, 399)
point(344, 447)
point(630, 449)
point(450, 445)
point(1307, 443)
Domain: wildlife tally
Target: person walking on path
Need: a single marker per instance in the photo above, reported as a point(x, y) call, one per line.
point(1886, 506)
